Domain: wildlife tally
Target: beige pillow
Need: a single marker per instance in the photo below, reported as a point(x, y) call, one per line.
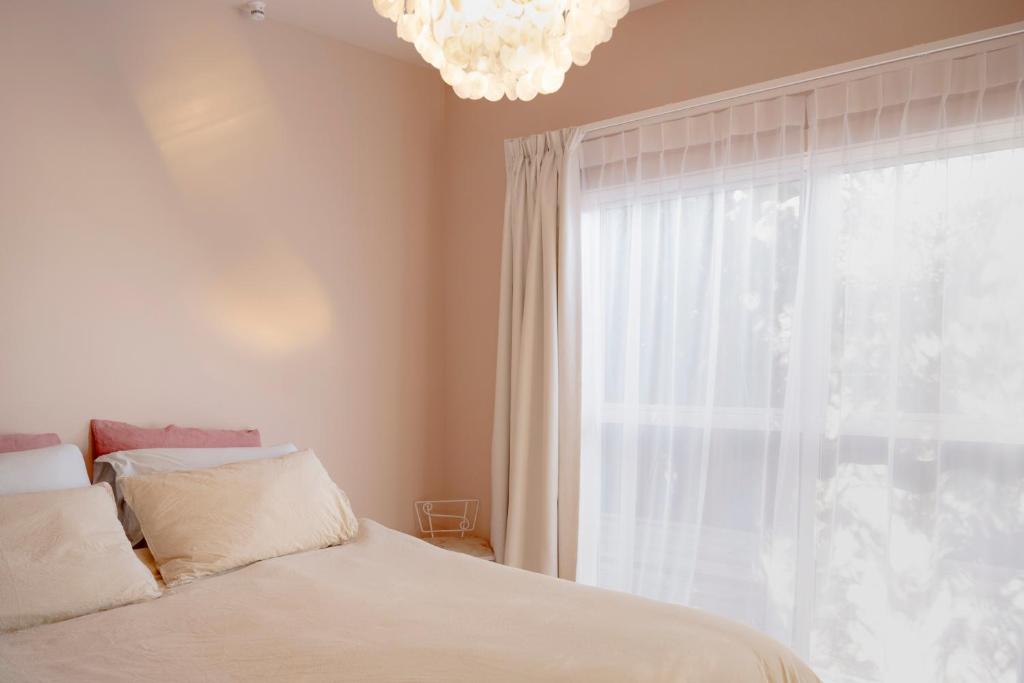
point(202, 522)
point(64, 554)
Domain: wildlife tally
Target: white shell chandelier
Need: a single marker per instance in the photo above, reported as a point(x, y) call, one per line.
point(504, 48)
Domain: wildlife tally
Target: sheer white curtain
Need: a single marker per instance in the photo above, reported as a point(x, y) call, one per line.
point(803, 366)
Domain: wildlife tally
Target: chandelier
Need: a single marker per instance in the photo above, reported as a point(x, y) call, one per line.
point(504, 48)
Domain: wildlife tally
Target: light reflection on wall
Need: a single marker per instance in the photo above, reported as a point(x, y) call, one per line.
point(213, 121)
point(217, 129)
point(270, 302)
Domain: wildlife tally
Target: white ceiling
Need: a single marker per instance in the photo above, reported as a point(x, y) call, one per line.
point(353, 21)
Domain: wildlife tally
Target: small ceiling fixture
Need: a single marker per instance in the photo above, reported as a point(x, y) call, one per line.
point(504, 48)
point(256, 10)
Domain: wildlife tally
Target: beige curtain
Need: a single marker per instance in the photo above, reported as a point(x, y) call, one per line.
point(535, 448)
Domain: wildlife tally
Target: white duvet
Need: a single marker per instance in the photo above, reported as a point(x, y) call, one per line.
point(388, 607)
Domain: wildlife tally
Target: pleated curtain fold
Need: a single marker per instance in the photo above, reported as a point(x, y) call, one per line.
point(535, 448)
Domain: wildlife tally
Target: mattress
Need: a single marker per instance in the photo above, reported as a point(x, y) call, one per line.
point(389, 607)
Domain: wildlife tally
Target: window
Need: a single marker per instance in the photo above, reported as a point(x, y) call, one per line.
point(803, 368)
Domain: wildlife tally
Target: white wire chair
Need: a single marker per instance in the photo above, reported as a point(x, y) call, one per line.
point(454, 517)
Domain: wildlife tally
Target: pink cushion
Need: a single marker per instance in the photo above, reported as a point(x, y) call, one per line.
point(109, 437)
point(27, 442)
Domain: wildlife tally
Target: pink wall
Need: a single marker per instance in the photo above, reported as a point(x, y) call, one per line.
point(670, 52)
point(218, 223)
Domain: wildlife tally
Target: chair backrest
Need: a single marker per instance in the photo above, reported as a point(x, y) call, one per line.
point(447, 517)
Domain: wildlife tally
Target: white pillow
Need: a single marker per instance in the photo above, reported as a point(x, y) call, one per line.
point(203, 522)
point(42, 469)
point(81, 564)
point(113, 466)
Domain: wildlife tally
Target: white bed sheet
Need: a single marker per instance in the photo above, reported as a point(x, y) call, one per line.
point(388, 607)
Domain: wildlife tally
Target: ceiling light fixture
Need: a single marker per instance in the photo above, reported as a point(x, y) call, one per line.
point(256, 9)
point(504, 48)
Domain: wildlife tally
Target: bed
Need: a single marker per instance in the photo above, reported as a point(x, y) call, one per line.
point(258, 569)
point(389, 607)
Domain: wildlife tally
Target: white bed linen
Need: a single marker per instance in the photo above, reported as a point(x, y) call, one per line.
point(42, 469)
point(388, 607)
